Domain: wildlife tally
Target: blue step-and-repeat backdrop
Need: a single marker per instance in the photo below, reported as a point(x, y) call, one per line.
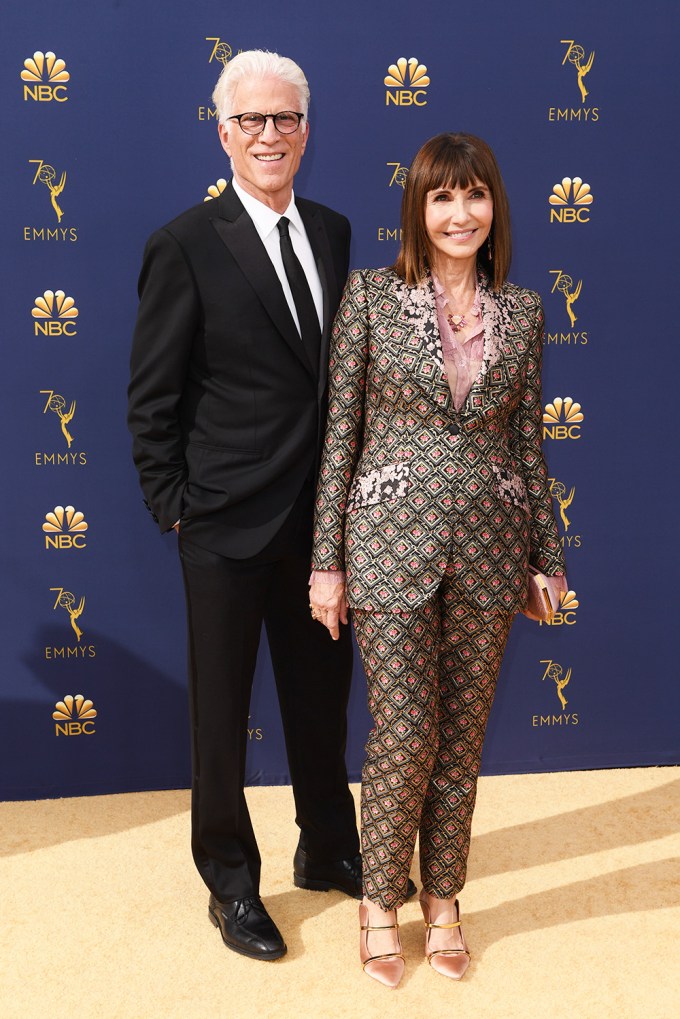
point(108, 132)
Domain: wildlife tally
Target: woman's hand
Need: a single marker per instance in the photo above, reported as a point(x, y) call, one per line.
point(328, 602)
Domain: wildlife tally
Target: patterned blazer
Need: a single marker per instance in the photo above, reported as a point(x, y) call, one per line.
point(407, 484)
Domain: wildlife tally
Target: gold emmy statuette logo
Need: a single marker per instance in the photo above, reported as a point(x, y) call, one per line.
point(408, 79)
point(57, 404)
point(399, 174)
point(64, 528)
point(215, 190)
point(221, 50)
point(561, 680)
point(576, 55)
point(570, 201)
point(562, 410)
point(45, 78)
point(564, 501)
point(54, 314)
point(555, 672)
point(74, 716)
point(47, 175)
point(66, 600)
point(571, 293)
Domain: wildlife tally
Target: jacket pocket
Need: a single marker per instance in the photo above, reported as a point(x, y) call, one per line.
point(389, 482)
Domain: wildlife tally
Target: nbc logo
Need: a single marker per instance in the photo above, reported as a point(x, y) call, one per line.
point(215, 190)
point(408, 79)
point(45, 78)
point(569, 201)
point(65, 527)
point(74, 716)
point(562, 410)
point(54, 314)
point(566, 614)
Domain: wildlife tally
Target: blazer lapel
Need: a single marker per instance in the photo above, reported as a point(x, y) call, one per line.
point(238, 233)
point(318, 239)
point(500, 362)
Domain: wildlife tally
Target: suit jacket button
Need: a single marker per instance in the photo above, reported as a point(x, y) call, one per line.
point(453, 428)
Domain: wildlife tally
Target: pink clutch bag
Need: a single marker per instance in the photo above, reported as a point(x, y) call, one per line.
point(539, 604)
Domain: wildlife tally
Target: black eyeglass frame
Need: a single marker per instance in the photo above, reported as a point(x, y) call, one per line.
point(265, 118)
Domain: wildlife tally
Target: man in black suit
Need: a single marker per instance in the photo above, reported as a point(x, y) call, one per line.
point(227, 411)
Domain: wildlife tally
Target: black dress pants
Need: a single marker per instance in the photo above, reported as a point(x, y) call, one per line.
point(227, 602)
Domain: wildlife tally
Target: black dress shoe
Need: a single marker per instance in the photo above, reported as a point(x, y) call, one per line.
point(340, 875)
point(247, 927)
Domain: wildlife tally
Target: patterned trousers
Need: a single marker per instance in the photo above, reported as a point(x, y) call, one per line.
point(431, 681)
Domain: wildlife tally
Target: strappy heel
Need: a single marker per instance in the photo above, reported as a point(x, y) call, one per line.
point(451, 962)
point(388, 969)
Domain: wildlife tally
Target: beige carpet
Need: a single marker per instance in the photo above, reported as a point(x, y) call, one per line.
point(571, 910)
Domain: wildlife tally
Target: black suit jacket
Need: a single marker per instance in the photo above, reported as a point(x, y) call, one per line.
point(225, 408)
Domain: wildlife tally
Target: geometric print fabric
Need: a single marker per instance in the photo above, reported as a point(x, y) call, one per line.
point(431, 676)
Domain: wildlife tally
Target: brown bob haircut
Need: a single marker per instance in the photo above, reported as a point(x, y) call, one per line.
point(450, 161)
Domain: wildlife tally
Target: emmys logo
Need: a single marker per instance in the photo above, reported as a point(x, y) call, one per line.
point(562, 410)
point(74, 716)
point(67, 601)
point(571, 293)
point(222, 52)
point(254, 734)
point(57, 404)
point(564, 501)
point(54, 314)
point(399, 174)
point(576, 55)
point(561, 679)
point(566, 614)
point(409, 79)
point(570, 201)
point(45, 76)
point(64, 528)
point(47, 175)
point(216, 189)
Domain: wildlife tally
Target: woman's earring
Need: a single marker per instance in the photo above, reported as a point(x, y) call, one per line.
point(489, 248)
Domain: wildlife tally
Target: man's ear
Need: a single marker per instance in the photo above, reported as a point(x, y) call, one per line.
point(223, 132)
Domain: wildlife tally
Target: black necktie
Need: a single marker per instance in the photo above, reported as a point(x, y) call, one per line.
point(302, 296)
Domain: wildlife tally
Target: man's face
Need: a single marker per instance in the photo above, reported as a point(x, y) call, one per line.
point(265, 164)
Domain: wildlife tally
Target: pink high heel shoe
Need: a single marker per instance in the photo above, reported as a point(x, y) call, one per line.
point(388, 969)
point(451, 962)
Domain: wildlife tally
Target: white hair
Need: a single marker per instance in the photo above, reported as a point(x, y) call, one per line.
point(257, 64)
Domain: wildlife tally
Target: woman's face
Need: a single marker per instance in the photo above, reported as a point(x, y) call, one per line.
point(458, 221)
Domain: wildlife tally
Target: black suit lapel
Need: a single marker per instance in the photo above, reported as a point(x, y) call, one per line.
point(318, 238)
point(238, 233)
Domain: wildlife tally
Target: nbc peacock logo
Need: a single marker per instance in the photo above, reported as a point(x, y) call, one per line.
point(566, 613)
point(74, 716)
point(562, 419)
point(45, 77)
point(54, 314)
point(215, 190)
point(570, 201)
point(65, 528)
point(406, 83)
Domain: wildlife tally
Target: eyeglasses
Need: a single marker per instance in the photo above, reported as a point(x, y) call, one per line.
point(286, 122)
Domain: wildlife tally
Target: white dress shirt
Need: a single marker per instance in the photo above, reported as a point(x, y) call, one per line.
point(266, 224)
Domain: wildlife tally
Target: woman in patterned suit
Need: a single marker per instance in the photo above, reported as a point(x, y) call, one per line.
point(433, 502)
